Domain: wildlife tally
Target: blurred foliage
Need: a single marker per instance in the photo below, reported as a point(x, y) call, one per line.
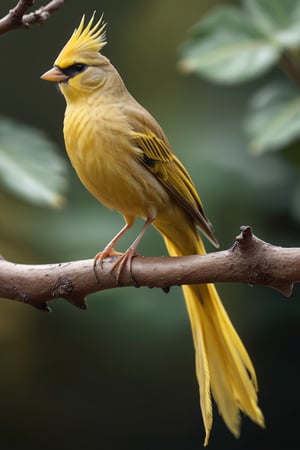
point(273, 116)
point(26, 159)
point(238, 44)
point(121, 375)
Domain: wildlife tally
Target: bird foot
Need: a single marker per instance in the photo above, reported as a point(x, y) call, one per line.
point(125, 259)
point(100, 257)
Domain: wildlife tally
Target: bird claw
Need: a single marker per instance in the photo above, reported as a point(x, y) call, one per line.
point(123, 260)
point(100, 257)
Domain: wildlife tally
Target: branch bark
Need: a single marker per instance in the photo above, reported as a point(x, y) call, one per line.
point(16, 17)
point(250, 261)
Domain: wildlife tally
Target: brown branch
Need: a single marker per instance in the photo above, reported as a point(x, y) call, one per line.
point(16, 17)
point(250, 261)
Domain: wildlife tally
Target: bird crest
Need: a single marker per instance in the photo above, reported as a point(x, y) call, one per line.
point(84, 40)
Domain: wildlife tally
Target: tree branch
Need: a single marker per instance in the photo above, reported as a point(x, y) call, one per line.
point(16, 17)
point(250, 261)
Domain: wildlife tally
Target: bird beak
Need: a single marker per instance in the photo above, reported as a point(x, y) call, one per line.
point(55, 75)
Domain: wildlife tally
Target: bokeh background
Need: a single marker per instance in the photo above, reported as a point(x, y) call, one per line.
point(121, 375)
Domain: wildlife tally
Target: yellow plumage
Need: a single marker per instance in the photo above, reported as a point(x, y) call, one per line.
point(90, 39)
point(124, 159)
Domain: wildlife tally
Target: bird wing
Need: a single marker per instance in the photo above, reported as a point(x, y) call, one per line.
point(162, 162)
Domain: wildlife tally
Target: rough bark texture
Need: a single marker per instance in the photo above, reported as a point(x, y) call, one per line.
point(250, 261)
point(16, 17)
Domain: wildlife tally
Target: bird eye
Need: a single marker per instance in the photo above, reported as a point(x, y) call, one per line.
point(73, 70)
point(79, 67)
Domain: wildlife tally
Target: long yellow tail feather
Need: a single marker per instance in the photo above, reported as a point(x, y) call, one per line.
point(223, 367)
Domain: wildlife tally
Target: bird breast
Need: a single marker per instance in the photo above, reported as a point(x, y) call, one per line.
point(100, 149)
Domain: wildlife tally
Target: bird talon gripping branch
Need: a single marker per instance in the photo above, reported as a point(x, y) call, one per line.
point(125, 261)
point(101, 256)
point(124, 159)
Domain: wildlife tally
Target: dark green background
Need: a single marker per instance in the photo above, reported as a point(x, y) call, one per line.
point(121, 375)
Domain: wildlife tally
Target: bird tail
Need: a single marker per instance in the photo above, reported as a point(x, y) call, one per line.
point(223, 366)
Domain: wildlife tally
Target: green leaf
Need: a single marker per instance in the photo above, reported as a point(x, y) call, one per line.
point(273, 119)
point(30, 165)
point(277, 19)
point(227, 47)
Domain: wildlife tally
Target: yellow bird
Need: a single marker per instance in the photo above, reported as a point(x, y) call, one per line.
point(124, 159)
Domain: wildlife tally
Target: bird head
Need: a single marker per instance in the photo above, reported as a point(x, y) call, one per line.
point(80, 68)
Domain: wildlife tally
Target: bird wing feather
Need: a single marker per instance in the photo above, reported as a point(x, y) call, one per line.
point(162, 162)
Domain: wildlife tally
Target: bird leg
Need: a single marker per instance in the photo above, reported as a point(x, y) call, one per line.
point(127, 257)
point(109, 249)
